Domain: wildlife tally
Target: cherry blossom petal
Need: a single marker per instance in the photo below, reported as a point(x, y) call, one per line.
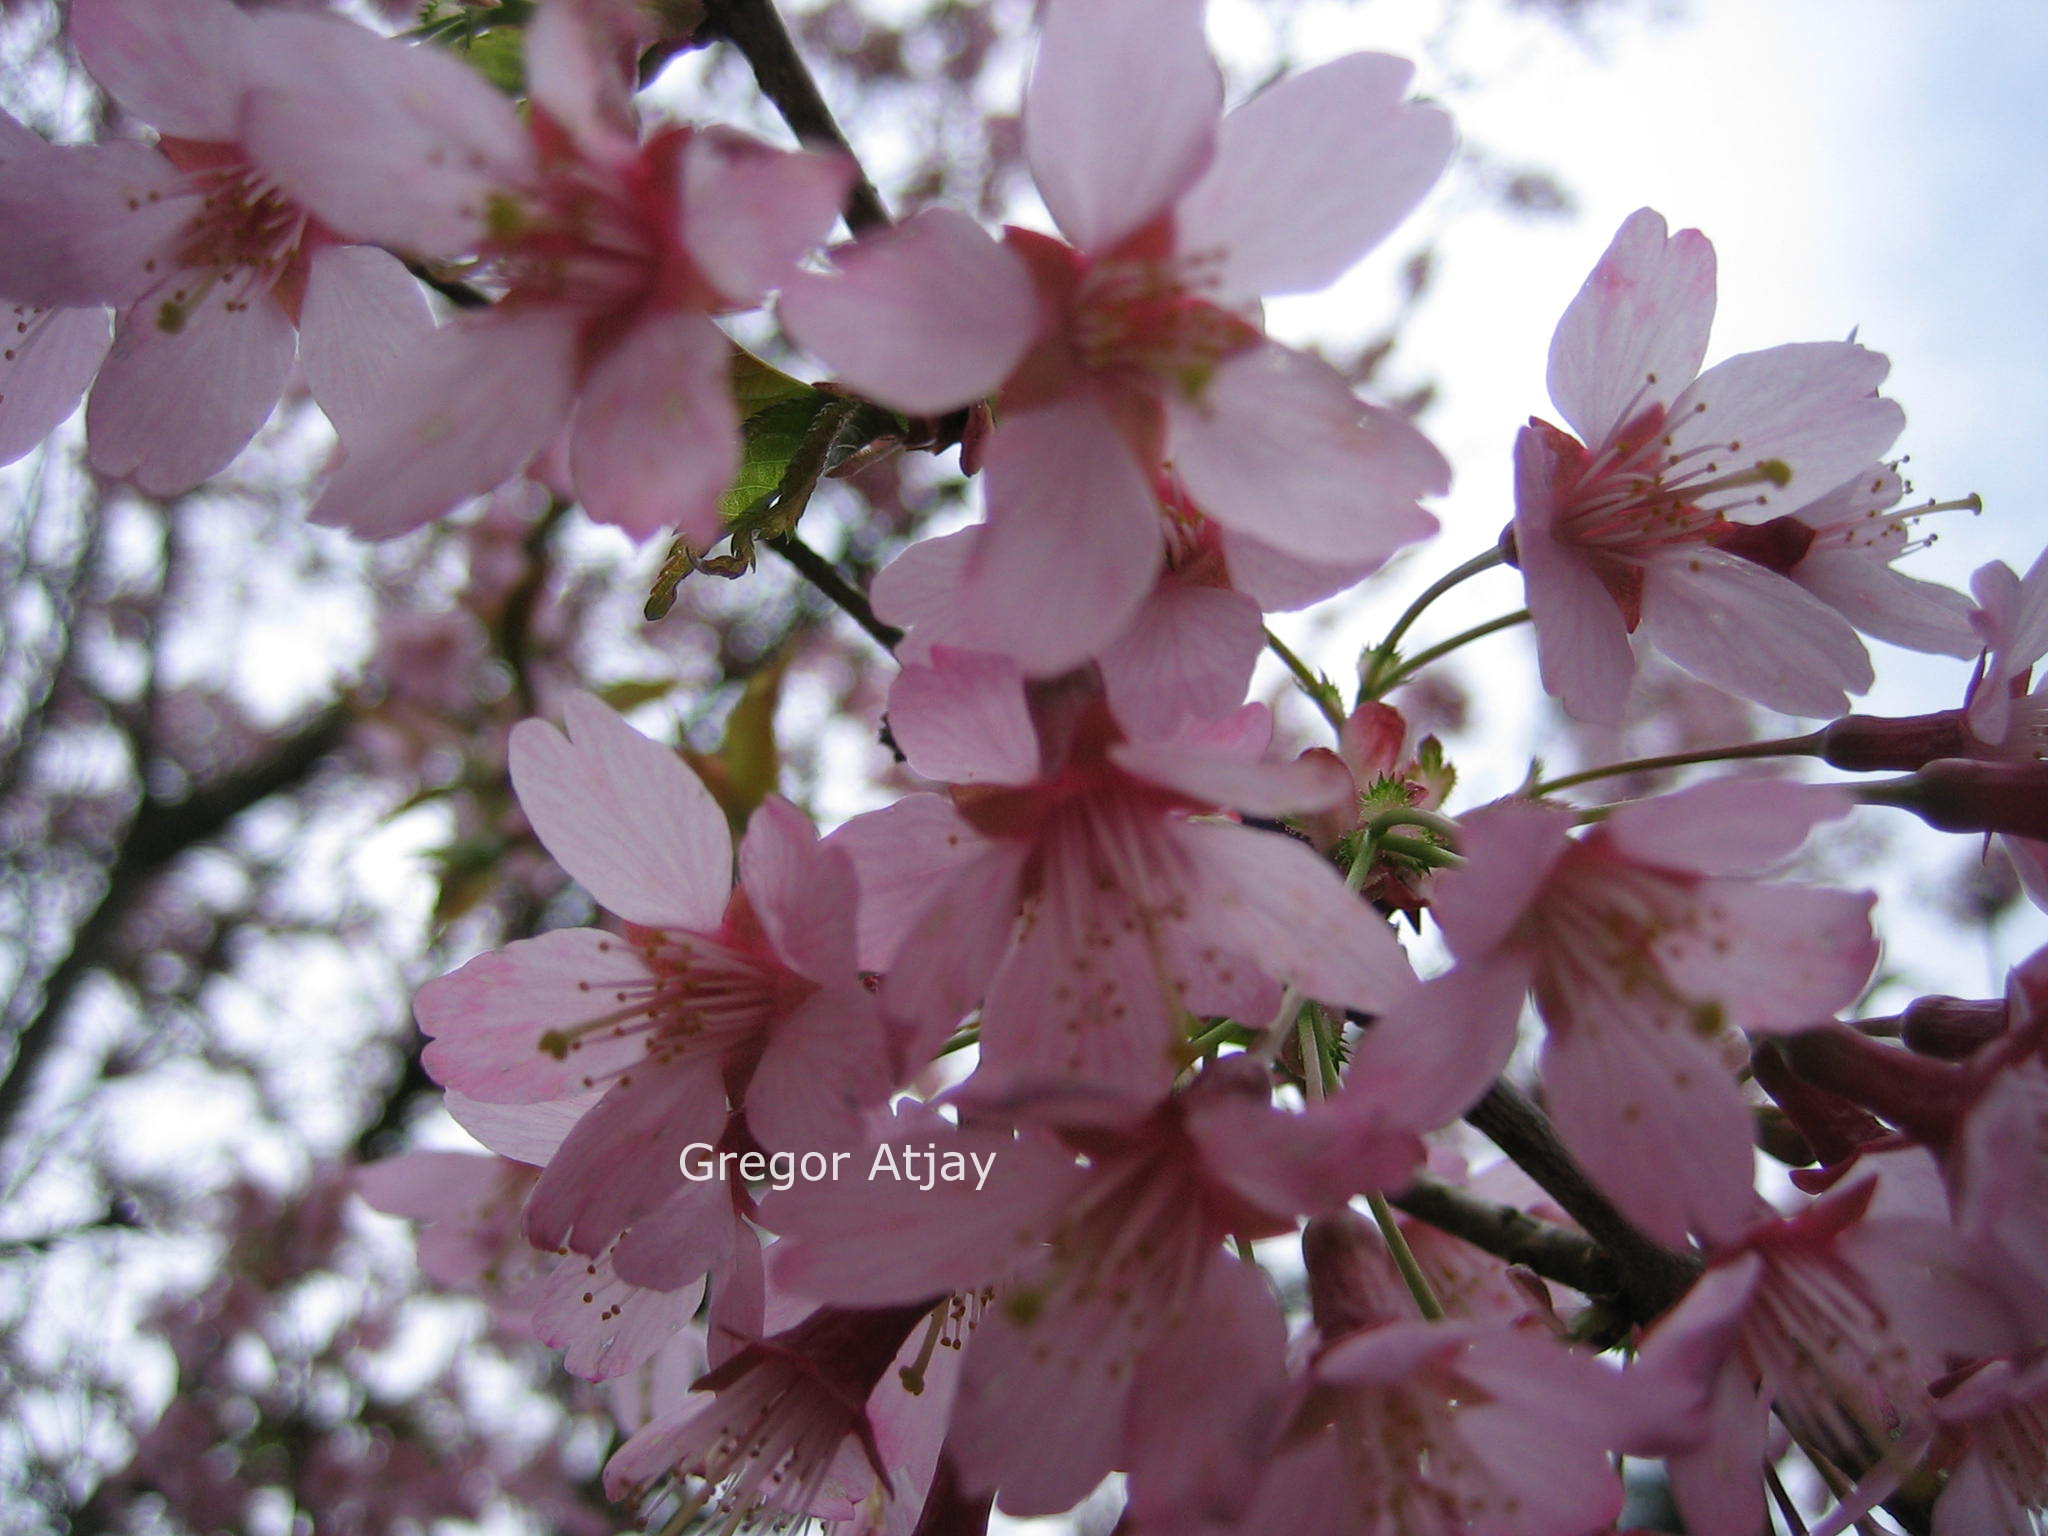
point(477, 402)
point(1750, 631)
point(580, 59)
point(621, 1161)
point(1726, 827)
point(177, 65)
point(903, 856)
point(1072, 543)
point(1887, 604)
point(1771, 956)
point(1510, 849)
point(1041, 1408)
point(104, 216)
point(920, 588)
point(1083, 1000)
point(625, 817)
point(1311, 174)
point(428, 141)
point(803, 894)
point(1120, 115)
point(1274, 899)
point(946, 960)
point(1582, 638)
point(606, 1325)
point(525, 1133)
point(1277, 446)
point(691, 1234)
point(362, 314)
point(1260, 789)
point(656, 440)
point(174, 405)
point(508, 1025)
point(866, 1241)
point(1431, 1055)
point(1653, 1114)
point(1280, 581)
point(961, 719)
point(1811, 406)
point(1189, 652)
point(1637, 332)
point(924, 317)
point(751, 211)
point(1716, 1485)
point(1207, 1397)
point(49, 359)
point(825, 1064)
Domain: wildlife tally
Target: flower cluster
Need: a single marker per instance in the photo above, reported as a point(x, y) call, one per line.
point(931, 1154)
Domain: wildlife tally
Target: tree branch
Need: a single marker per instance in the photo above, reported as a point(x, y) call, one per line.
point(160, 832)
point(755, 28)
point(1650, 1278)
point(823, 575)
point(1554, 1252)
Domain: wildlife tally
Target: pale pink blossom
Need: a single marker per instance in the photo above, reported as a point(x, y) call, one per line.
point(1998, 1412)
point(611, 252)
point(1076, 883)
point(1135, 342)
point(710, 991)
point(1121, 1332)
point(1617, 530)
point(1834, 1320)
point(1841, 548)
point(218, 276)
point(1645, 942)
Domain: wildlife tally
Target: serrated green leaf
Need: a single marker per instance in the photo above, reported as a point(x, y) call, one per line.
point(770, 442)
point(756, 385)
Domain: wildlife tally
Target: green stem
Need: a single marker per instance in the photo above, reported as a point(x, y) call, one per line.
point(1322, 693)
point(1783, 746)
point(1383, 653)
point(1404, 1258)
point(1414, 664)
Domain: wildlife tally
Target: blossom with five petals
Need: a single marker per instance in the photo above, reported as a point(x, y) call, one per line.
point(1618, 529)
point(1136, 344)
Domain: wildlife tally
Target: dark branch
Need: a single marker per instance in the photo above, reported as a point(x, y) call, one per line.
point(754, 27)
point(1554, 1252)
point(160, 831)
point(823, 575)
point(1651, 1277)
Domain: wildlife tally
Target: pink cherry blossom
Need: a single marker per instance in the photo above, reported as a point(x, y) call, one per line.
point(711, 991)
point(611, 253)
point(1835, 1321)
point(1841, 548)
point(1072, 883)
point(1117, 1313)
point(1136, 344)
point(787, 1420)
point(1617, 530)
point(1644, 942)
point(1998, 1411)
point(212, 268)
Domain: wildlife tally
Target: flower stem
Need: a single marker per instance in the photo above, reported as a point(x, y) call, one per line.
point(1404, 1258)
point(1320, 690)
point(1414, 664)
point(1784, 746)
point(1381, 656)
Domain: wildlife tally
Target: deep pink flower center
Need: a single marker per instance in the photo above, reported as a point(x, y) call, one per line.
point(1146, 314)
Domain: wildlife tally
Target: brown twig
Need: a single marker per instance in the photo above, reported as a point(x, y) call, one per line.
point(1554, 1252)
point(755, 28)
point(823, 575)
point(1650, 1278)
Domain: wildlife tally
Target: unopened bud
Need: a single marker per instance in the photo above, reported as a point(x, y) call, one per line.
point(1925, 1099)
point(1872, 743)
point(1352, 1281)
point(1951, 1028)
point(1960, 795)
